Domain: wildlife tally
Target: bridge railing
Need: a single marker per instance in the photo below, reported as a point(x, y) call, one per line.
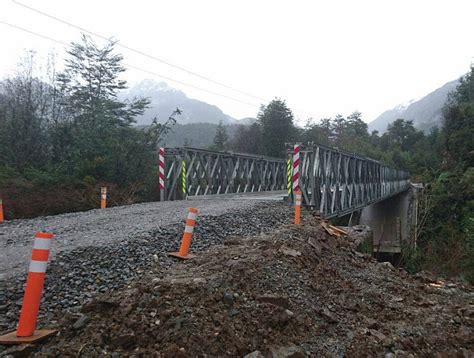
point(337, 182)
point(193, 172)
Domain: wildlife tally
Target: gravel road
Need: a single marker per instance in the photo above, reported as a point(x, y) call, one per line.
point(103, 227)
point(105, 250)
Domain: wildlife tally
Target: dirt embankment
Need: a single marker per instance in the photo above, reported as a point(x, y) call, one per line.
point(295, 292)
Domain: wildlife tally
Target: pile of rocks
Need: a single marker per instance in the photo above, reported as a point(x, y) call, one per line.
point(292, 291)
point(75, 277)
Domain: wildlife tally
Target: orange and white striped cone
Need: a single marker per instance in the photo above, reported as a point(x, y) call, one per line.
point(1, 211)
point(297, 207)
point(26, 331)
point(103, 197)
point(183, 252)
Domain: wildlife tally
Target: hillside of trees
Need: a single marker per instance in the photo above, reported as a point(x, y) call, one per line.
point(64, 135)
point(198, 135)
point(402, 146)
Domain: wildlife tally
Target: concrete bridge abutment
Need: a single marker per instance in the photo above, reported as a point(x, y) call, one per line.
point(393, 221)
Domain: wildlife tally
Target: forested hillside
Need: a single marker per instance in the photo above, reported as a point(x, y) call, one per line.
point(199, 135)
point(425, 113)
point(449, 236)
point(402, 146)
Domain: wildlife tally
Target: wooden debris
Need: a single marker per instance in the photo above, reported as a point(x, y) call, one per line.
point(342, 232)
point(333, 230)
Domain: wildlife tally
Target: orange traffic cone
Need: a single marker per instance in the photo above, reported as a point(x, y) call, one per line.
point(1, 211)
point(183, 252)
point(297, 207)
point(26, 331)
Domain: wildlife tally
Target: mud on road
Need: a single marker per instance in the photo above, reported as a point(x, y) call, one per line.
point(291, 292)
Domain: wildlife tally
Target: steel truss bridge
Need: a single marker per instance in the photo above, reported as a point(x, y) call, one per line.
point(193, 172)
point(333, 181)
point(337, 182)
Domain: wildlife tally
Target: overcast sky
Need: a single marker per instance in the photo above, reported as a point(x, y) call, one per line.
point(323, 57)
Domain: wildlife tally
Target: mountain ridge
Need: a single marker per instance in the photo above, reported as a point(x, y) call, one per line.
point(426, 113)
point(164, 99)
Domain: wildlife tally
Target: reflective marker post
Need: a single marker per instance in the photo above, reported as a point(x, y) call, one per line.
point(27, 332)
point(103, 197)
point(297, 207)
point(161, 172)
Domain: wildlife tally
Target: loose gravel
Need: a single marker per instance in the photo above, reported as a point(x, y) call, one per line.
point(100, 227)
point(292, 292)
point(131, 245)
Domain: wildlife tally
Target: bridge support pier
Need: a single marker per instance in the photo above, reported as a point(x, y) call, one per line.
point(392, 221)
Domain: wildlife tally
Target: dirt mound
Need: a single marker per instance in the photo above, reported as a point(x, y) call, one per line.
point(295, 292)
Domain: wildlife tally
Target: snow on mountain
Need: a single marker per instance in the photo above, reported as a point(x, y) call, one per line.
point(165, 99)
point(425, 112)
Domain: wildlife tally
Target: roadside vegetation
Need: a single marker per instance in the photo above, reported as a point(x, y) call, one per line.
point(63, 135)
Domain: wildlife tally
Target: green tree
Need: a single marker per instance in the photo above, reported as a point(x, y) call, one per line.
point(450, 237)
point(276, 121)
point(354, 135)
point(25, 106)
point(318, 132)
point(401, 134)
point(458, 125)
point(337, 130)
point(221, 138)
point(97, 131)
point(248, 139)
point(91, 82)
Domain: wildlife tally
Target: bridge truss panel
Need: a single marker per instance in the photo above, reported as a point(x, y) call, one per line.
point(337, 182)
point(194, 172)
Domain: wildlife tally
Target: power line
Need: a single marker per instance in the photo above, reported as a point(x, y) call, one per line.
point(136, 67)
point(254, 105)
point(34, 33)
point(151, 57)
point(139, 51)
point(190, 85)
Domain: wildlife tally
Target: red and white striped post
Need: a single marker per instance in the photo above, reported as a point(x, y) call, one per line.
point(296, 167)
point(183, 252)
point(26, 331)
point(161, 172)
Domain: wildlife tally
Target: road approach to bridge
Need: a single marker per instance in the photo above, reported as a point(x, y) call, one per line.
point(104, 227)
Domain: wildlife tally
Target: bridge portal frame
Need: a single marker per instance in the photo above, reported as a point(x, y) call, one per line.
point(193, 172)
